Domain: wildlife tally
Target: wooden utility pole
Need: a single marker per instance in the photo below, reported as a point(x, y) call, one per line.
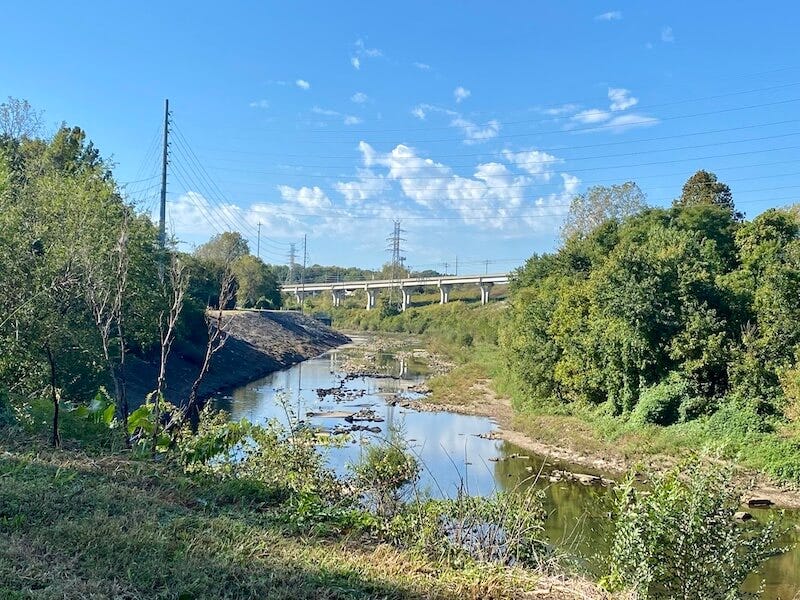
point(162, 220)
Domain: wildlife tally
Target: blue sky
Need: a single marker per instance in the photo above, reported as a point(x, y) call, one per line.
point(472, 122)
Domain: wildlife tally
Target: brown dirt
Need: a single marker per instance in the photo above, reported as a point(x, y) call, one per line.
point(259, 343)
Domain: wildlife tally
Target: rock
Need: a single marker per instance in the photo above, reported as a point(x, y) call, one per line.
point(759, 503)
point(742, 516)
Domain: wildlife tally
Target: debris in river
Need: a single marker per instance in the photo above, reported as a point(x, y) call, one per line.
point(742, 516)
point(759, 503)
point(582, 478)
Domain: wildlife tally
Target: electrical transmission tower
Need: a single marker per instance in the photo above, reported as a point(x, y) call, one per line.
point(394, 245)
point(292, 262)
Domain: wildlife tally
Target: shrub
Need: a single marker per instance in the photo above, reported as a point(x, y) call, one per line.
point(660, 404)
point(384, 475)
point(679, 539)
point(505, 528)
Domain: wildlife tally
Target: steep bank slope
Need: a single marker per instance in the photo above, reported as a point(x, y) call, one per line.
point(259, 342)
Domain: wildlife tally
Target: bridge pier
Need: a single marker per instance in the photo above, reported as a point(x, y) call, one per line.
point(299, 296)
point(486, 289)
point(371, 297)
point(336, 296)
point(444, 292)
point(406, 297)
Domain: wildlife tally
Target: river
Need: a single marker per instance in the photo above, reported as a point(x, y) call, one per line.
point(452, 453)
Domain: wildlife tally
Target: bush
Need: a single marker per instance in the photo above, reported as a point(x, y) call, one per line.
point(679, 539)
point(384, 475)
point(660, 404)
point(505, 528)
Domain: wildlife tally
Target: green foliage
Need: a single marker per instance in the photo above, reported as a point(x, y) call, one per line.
point(386, 473)
point(661, 404)
point(506, 528)
point(679, 539)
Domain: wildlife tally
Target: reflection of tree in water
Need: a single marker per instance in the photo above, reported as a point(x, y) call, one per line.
point(577, 519)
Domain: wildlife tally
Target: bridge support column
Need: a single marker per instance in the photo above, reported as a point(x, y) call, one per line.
point(336, 296)
point(406, 297)
point(371, 296)
point(444, 292)
point(299, 296)
point(486, 289)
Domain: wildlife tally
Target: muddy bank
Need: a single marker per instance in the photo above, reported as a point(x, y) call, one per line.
point(259, 343)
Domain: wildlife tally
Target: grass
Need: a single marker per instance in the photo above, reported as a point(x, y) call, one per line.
point(103, 524)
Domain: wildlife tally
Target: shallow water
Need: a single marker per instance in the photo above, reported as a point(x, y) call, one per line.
point(453, 455)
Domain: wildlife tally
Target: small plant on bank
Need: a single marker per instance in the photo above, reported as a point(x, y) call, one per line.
point(386, 473)
point(679, 538)
point(505, 528)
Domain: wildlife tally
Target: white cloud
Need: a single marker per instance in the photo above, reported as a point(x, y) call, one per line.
point(359, 98)
point(666, 34)
point(422, 66)
point(367, 187)
point(419, 112)
point(621, 99)
point(535, 162)
point(591, 116)
point(461, 93)
point(630, 121)
point(352, 120)
point(308, 197)
point(325, 112)
point(564, 109)
point(493, 196)
point(477, 133)
point(361, 52)
point(263, 104)
point(302, 84)
point(612, 15)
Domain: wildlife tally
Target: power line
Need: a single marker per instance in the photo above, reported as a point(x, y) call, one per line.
point(547, 149)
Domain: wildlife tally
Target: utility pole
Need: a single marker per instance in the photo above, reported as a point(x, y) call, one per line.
point(292, 259)
point(486, 269)
point(258, 243)
point(303, 274)
point(162, 220)
point(456, 273)
point(446, 266)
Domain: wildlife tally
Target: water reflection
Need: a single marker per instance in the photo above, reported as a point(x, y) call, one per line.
point(453, 455)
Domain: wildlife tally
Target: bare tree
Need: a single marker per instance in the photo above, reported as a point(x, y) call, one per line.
point(105, 294)
point(600, 203)
point(18, 119)
point(217, 336)
point(173, 284)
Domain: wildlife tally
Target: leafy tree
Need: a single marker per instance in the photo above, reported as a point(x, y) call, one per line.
point(256, 283)
point(599, 204)
point(223, 249)
point(703, 188)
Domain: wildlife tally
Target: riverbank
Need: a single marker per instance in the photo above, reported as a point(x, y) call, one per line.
point(464, 382)
point(259, 342)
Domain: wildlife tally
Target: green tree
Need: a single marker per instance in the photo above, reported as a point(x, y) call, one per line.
point(256, 283)
point(223, 249)
point(703, 188)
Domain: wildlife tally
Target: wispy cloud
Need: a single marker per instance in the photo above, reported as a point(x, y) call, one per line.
point(346, 119)
point(302, 84)
point(359, 98)
point(419, 112)
point(262, 104)
point(477, 133)
point(612, 15)
point(591, 116)
point(667, 35)
point(621, 99)
point(422, 66)
point(361, 52)
point(558, 111)
point(461, 94)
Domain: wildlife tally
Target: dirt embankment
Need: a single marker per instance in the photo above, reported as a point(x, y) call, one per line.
point(258, 343)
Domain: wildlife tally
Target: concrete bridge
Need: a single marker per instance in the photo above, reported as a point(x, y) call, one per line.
point(445, 283)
